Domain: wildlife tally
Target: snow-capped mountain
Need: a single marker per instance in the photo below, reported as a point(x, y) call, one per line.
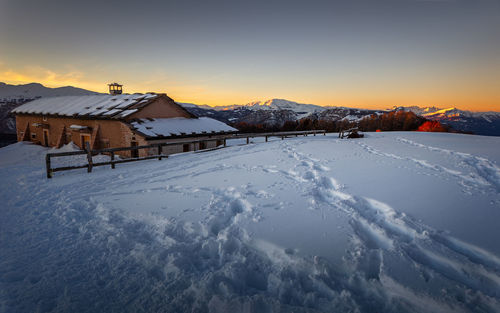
point(342, 113)
point(272, 104)
point(272, 112)
point(282, 104)
point(35, 90)
point(480, 123)
point(276, 112)
point(416, 109)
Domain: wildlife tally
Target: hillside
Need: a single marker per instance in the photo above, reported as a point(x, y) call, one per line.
point(394, 222)
point(276, 112)
point(479, 123)
point(34, 90)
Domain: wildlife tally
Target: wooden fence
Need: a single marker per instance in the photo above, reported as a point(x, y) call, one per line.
point(111, 151)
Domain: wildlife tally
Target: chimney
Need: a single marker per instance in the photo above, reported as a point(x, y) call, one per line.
point(115, 89)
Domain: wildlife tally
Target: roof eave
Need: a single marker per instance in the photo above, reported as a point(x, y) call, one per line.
point(186, 136)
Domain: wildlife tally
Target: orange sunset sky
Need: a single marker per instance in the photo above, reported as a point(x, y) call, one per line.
point(359, 54)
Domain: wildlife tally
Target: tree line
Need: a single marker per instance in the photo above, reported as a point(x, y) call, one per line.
point(390, 121)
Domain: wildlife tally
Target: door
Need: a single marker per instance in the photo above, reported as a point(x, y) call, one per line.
point(84, 139)
point(45, 141)
point(134, 153)
point(185, 147)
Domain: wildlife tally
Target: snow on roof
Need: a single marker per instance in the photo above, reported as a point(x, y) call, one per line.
point(109, 106)
point(74, 126)
point(165, 127)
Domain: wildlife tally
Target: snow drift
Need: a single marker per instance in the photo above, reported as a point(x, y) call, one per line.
point(395, 222)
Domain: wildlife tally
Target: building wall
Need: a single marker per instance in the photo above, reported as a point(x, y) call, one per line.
point(104, 133)
point(163, 107)
point(210, 143)
point(110, 134)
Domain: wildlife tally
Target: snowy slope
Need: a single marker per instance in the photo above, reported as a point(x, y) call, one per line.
point(394, 222)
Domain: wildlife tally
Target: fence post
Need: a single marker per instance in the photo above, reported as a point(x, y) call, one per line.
point(159, 152)
point(224, 142)
point(324, 133)
point(89, 157)
point(266, 138)
point(247, 140)
point(112, 159)
point(47, 164)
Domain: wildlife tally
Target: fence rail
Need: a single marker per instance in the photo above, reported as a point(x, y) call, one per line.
point(111, 151)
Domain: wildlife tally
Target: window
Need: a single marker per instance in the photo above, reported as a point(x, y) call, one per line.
point(185, 147)
point(44, 118)
point(33, 135)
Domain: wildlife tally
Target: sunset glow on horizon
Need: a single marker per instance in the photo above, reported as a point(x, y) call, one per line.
point(330, 53)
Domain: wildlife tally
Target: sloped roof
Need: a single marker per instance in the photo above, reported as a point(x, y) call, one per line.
point(94, 106)
point(179, 126)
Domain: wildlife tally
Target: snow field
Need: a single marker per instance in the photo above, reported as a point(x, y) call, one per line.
point(314, 224)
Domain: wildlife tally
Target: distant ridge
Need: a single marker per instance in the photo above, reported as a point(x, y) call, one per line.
point(480, 123)
point(35, 90)
point(278, 111)
point(12, 96)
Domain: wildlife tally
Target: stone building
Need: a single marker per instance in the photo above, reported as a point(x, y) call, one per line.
point(115, 120)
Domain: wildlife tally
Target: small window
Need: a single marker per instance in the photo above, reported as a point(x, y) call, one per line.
point(44, 118)
point(33, 135)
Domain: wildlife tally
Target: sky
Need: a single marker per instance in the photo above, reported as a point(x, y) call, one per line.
point(357, 53)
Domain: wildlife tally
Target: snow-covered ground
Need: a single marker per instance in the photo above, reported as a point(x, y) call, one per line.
point(394, 222)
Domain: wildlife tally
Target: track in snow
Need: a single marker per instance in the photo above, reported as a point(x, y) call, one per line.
point(79, 242)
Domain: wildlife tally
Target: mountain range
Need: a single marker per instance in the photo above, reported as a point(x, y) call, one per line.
point(36, 90)
point(480, 123)
point(273, 112)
